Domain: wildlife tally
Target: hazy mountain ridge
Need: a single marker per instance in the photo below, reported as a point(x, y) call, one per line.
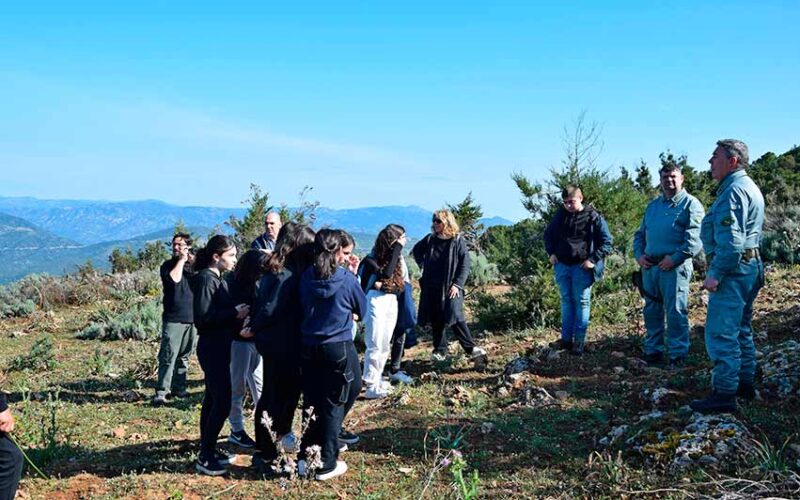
point(55, 236)
point(90, 222)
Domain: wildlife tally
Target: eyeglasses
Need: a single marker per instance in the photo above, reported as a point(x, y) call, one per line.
point(437, 221)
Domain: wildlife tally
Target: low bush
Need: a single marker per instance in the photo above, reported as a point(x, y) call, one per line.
point(142, 321)
point(534, 302)
point(13, 303)
point(41, 357)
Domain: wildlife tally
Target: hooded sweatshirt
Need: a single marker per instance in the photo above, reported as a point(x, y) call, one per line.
point(328, 306)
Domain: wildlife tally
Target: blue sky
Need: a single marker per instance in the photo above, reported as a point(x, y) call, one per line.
point(376, 103)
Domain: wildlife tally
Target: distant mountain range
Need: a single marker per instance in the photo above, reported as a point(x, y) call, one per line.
point(54, 236)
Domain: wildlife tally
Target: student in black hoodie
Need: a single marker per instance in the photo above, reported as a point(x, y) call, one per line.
point(329, 296)
point(246, 366)
point(10, 456)
point(215, 316)
point(276, 323)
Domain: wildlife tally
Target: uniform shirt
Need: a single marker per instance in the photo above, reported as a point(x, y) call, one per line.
point(733, 224)
point(670, 226)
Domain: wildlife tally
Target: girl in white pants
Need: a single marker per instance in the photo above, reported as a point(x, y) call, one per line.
point(382, 278)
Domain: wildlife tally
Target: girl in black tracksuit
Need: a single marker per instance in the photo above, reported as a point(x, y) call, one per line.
point(276, 323)
point(215, 316)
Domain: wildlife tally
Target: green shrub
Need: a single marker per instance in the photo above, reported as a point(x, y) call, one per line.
point(481, 271)
point(41, 357)
point(782, 234)
point(142, 321)
point(14, 303)
point(532, 303)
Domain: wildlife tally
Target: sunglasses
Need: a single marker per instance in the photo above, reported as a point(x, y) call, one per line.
point(437, 221)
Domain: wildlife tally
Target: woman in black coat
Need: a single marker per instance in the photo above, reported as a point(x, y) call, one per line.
point(444, 259)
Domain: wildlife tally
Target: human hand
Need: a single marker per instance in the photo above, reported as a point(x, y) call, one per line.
point(453, 292)
point(666, 264)
point(6, 421)
point(587, 264)
point(378, 285)
point(355, 317)
point(711, 284)
point(553, 260)
point(246, 333)
point(352, 263)
point(644, 263)
point(242, 310)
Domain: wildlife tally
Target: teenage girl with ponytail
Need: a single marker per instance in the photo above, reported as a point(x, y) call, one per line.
point(329, 296)
point(215, 316)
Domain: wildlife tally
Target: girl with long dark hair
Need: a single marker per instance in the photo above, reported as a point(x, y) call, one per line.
point(276, 323)
point(382, 278)
point(329, 296)
point(216, 314)
point(246, 369)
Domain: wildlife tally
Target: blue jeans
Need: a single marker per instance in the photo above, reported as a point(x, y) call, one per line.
point(729, 334)
point(575, 285)
point(672, 289)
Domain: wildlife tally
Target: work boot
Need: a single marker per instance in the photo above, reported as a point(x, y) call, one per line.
point(715, 403)
point(746, 391)
point(561, 345)
point(654, 358)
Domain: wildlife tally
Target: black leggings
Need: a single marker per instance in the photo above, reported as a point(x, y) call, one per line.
point(279, 398)
point(214, 355)
point(10, 467)
point(398, 348)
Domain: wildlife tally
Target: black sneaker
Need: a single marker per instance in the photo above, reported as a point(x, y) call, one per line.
point(241, 439)
point(577, 349)
point(224, 457)
point(746, 391)
point(348, 437)
point(561, 345)
point(654, 358)
point(209, 466)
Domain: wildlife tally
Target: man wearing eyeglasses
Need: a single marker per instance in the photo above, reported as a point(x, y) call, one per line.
point(577, 240)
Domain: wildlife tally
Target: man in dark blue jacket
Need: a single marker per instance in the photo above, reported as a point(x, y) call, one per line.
point(577, 240)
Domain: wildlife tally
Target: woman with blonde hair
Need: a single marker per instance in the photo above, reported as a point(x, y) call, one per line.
point(444, 259)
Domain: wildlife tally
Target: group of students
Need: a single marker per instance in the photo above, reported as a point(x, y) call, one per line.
point(283, 319)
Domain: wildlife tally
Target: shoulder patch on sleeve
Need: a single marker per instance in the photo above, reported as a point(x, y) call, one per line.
point(727, 221)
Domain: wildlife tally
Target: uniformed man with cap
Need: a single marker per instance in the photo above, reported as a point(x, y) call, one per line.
point(731, 234)
point(667, 239)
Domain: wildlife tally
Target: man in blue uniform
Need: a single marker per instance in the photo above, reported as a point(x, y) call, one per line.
point(667, 239)
point(731, 234)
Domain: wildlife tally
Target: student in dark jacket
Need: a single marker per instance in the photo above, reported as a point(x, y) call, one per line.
point(577, 240)
point(329, 296)
point(10, 455)
point(215, 316)
point(246, 367)
point(277, 316)
point(444, 259)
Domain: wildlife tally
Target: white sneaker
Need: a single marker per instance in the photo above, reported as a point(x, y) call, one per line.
point(377, 391)
point(477, 352)
point(438, 357)
point(289, 443)
point(401, 377)
point(340, 469)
